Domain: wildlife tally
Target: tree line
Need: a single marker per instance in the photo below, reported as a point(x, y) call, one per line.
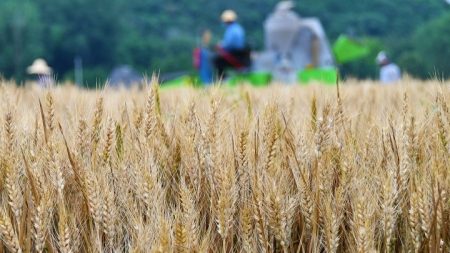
point(157, 35)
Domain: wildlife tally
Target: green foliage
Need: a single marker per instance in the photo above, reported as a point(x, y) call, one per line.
point(21, 38)
point(431, 49)
point(157, 35)
point(413, 64)
point(94, 77)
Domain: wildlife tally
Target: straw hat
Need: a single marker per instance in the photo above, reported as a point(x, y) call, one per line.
point(228, 16)
point(39, 67)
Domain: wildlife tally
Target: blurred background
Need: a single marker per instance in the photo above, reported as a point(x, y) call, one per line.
point(159, 35)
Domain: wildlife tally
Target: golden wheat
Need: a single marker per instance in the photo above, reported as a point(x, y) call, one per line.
point(363, 168)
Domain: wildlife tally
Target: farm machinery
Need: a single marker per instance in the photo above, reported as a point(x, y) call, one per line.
point(296, 50)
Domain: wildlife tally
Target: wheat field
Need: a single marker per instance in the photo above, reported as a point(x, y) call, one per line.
point(356, 168)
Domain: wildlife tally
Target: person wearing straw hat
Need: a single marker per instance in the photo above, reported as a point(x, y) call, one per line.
point(43, 71)
point(232, 50)
point(389, 71)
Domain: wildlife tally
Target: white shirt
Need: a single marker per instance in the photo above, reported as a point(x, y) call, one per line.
point(390, 73)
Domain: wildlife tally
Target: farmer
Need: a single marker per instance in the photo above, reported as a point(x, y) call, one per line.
point(202, 59)
point(389, 71)
point(43, 72)
point(232, 50)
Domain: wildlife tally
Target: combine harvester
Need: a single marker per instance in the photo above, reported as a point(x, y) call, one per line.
point(296, 51)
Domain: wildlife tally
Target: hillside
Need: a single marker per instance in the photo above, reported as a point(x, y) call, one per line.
point(159, 35)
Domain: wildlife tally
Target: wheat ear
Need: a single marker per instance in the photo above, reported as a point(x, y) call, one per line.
point(96, 128)
point(64, 238)
point(226, 204)
point(362, 228)
point(190, 215)
point(180, 235)
point(246, 228)
point(9, 236)
point(110, 129)
point(389, 210)
point(109, 216)
point(164, 237)
point(414, 224)
point(51, 112)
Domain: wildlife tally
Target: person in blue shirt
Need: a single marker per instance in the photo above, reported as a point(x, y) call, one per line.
point(232, 51)
point(202, 59)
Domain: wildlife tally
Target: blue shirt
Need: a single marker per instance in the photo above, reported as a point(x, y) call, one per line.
point(205, 69)
point(234, 37)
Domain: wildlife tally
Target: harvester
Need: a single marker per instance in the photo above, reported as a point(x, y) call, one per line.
point(296, 51)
